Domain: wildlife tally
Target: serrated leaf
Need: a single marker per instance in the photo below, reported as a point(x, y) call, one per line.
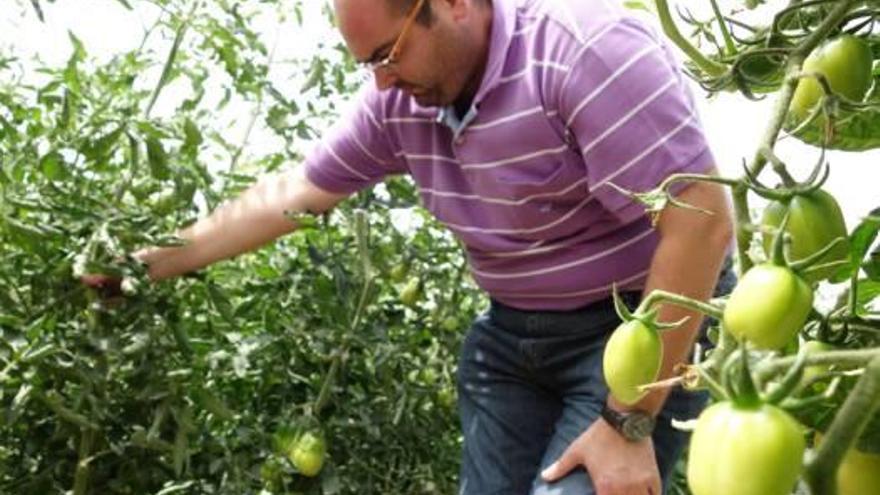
point(53, 167)
point(158, 159)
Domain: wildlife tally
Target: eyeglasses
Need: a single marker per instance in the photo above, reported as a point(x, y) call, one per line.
point(392, 58)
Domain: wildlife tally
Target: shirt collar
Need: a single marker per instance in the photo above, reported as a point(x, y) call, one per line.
point(503, 21)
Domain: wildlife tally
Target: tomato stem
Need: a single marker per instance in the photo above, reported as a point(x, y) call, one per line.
point(851, 358)
point(672, 32)
point(848, 424)
point(746, 393)
point(169, 62)
point(662, 296)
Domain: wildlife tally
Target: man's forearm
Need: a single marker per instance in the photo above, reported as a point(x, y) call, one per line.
point(253, 219)
point(687, 261)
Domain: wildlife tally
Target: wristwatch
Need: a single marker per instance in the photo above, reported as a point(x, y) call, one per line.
point(632, 425)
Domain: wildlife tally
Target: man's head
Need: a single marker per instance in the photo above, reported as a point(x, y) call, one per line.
point(440, 46)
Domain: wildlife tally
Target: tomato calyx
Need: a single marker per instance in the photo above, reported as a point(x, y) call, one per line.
point(646, 316)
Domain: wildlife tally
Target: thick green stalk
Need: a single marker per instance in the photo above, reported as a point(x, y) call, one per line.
point(722, 25)
point(853, 358)
point(81, 476)
point(169, 61)
point(848, 424)
point(708, 66)
point(658, 296)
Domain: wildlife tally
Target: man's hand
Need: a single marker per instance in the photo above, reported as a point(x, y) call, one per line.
point(617, 466)
point(107, 286)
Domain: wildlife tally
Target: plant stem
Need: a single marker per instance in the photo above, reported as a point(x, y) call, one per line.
point(851, 358)
point(257, 111)
point(722, 25)
point(81, 476)
point(708, 66)
point(362, 233)
point(658, 296)
point(169, 62)
point(848, 424)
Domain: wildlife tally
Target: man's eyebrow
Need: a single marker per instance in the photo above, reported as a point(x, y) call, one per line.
point(376, 52)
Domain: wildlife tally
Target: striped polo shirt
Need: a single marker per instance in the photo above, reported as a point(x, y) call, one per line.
point(577, 96)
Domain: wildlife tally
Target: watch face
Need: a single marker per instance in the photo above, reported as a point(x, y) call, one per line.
point(637, 426)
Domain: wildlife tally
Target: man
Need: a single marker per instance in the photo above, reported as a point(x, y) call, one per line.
point(515, 119)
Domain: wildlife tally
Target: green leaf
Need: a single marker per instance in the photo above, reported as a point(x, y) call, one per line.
point(221, 303)
point(640, 5)
point(53, 167)
point(125, 4)
point(868, 290)
point(101, 148)
point(158, 159)
point(861, 239)
point(872, 265)
point(192, 137)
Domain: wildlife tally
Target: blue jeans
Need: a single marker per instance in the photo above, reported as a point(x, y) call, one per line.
point(530, 382)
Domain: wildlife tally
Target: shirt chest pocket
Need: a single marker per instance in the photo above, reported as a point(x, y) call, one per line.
point(543, 192)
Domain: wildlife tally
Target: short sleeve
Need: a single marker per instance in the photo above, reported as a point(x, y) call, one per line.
point(355, 152)
point(631, 112)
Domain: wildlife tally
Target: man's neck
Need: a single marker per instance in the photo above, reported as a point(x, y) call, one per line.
point(463, 103)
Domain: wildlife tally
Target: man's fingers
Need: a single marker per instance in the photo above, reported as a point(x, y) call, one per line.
point(94, 279)
point(568, 461)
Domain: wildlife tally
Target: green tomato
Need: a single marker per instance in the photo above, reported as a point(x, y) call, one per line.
point(745, 451)
point(450, 324)
point(632, 358)
point(768, 306)
point(307, 454)
point(446, 397)
point(411, 292)
point(846, 62)
point(858, 473)
point(815, 220)
point(399, 272)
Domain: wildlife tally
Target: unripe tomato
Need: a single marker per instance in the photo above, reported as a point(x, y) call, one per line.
point(846, 62)
point(307, 454)
point(399, 272)
point(411, 292)
point(632, 358)
point(745, 451)
point(450, 324)
point(814, 221)
point(768, 306)
point(858, 474)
